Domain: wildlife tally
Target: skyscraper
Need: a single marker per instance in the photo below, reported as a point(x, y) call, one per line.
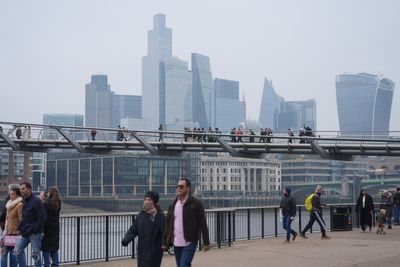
point(298, 114)
point(178, 92)
point(62, 119)
point(229, 110)
point(203, 91)
point(159, 48)
point(98, 102)
point(364, 103)
point(271, 105)
point(126, 106)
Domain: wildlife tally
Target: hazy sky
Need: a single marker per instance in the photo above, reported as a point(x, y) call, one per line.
point(49, 49)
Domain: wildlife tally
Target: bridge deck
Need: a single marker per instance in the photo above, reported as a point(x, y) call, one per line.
point(343, 249)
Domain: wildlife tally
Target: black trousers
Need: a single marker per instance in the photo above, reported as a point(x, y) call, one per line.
point(315, 216)
point(365, 219)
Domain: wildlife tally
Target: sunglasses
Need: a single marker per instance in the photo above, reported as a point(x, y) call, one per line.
point(180, 186)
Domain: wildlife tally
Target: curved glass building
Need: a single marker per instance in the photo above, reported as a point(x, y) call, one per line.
point(364, 102)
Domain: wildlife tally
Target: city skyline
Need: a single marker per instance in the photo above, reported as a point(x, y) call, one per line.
point(301, 48)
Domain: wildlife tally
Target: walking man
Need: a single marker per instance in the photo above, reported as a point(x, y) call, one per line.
point(364, 208)
point(31, 227)
point(288, 208)
point(185, 221)
point(396, 203)
point(315, 214)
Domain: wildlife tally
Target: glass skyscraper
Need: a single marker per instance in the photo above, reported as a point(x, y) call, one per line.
point(178, 92)
point(126, 106)
point(364, 103)
point(159, 48)
point(229, 110)
point(64, 120)
point(298, 114)
point(271, 105)
point(203, 91)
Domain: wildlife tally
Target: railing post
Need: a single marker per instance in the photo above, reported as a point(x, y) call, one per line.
point(78, 240)
point(107, 236)
point(133, 241)
point(276, 221)
point(234, 226)
point(262, 222)
point(219, 229)
point(248, 224)
point(229, 229)
point(300, 219)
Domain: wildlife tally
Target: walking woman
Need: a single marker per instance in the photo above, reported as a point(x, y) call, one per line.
point(13, 220)
point(364, 208)
point(148, 227)
point(51, 230)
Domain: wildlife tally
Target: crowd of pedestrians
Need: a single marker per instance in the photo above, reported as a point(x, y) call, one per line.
point(27, 218)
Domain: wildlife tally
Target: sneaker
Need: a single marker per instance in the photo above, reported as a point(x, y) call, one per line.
point(294, 237)
point(325, 237)
point(303, 236)
point(389, 227)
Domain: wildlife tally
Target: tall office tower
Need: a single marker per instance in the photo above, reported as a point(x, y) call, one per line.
point(271, 105)
point(298, 114)
point(229, 110)
point(62, 119)
point(203, 91)
point(126, 106)
point(364, 102)
point(159, 48)
point(178, 92)
point(98, 102)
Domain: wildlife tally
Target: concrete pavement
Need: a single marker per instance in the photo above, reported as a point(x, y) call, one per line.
point(351, 248)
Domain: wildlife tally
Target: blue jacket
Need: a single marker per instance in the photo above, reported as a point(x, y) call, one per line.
point(32, 216)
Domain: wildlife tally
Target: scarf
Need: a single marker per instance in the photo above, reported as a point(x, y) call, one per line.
point(151, 210)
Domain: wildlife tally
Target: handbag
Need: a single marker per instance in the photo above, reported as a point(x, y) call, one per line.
point(11, 240)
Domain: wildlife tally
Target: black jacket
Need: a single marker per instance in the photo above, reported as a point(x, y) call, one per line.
point(288, 206)
point(316, 202)
point(32, 216)
point(369, 203)
point(150, 233)
point(194, 222)
point(51, 229)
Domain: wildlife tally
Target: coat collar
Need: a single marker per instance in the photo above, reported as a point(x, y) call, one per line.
point(12, 203)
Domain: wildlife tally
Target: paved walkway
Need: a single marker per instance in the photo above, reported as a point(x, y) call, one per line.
point(343, 249)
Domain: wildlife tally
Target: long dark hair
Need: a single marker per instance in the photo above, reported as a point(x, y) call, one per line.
point(54, 198)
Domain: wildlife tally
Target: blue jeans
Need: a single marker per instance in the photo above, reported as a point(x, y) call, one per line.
point(184, 255)
point(396, 214)
point(5, 250)
point(19, 251)
point(286, 222)
point(54, 258)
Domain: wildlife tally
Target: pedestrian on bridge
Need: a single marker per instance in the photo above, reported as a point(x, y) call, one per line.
point(364, 208)
point(316, 214)
point(186, 220)
point(93, 133)
point(148, 226)
point(288, 208)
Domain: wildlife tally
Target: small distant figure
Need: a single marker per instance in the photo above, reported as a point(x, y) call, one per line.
point(252, 136)
point(93, 133)
point(387, 204)
point(301, 134)
point(233, 137)
point(18, 132)
point(290, 134)
point(239, 135)
point(120, 134)
point(25, 134)
point(381, 218)
point(161, 134)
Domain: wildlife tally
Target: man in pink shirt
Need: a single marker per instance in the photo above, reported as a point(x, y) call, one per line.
point(186, 220)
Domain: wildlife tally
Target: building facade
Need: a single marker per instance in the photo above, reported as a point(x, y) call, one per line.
point(118, 175)
point(225, 173)
point(297, 114)
point(203, 91)
point(271, 105)
point(364, 103)
point(159, 49)
point(229, 110)
point(64, 120)
point(125, 106)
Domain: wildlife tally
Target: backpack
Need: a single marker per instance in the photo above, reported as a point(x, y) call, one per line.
point(308, 203)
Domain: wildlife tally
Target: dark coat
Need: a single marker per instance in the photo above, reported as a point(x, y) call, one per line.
point(369, 203)
point(149, 238)
point(194, 222)
point(51, 230)
point(32, 216)
point(288, 206)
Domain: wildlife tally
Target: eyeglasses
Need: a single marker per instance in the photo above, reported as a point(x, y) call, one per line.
point(180, 186)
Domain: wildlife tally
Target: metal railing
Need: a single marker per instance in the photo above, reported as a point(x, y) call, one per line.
point(98, 237)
